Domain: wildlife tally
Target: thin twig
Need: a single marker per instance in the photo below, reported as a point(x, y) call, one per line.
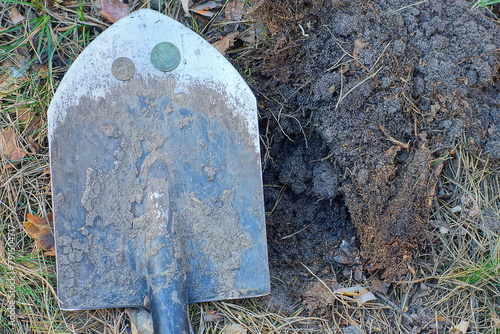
point(342, 97)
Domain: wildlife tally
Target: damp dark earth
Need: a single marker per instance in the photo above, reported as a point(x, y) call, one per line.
point(359, 102)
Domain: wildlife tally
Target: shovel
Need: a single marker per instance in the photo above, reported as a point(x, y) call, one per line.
point(156, 180)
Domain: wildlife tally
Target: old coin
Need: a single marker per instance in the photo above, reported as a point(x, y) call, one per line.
point(165, 57)
point(123, 68)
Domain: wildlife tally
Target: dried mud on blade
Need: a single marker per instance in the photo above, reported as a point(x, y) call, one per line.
point(157, 189)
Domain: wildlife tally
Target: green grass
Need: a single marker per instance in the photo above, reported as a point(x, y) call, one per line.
point(486, 3)
point(482, 273)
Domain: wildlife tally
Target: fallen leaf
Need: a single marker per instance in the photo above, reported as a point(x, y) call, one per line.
point(444, 230)
point(248, 36)
point(350, 292)
point(440, 318)
point(39, 229)
point(358, 273)
point(46, 241)
point(9, 148)
point(226, 42)
point(495, 319)
point(461, 328)
point(470, 205)
point(112, 10)
point(234, 10)
point(422, 291)
point(438, 168)
point(352, 330)
point(212, 316)
point(185, 6)
point(141, 321)
point(13, 72)
point(358, 47)
point(364, 297)
point(234, 329)
point(360, 294)
point(15, 16)
point(377, 286)
point(205, 8)
point(35, 148)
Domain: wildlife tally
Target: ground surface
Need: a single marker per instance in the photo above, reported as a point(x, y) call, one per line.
point(380, 151)
point(358, 102)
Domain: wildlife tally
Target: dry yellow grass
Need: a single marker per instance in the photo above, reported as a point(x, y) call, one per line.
point(456, 279)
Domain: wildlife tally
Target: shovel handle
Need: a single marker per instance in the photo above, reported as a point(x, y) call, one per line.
point(166, 278)
point(169, 306)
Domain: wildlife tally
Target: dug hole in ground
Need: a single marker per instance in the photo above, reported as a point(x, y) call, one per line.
point(368, 111)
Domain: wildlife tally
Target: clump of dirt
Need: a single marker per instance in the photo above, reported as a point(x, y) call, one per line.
point(358, 102)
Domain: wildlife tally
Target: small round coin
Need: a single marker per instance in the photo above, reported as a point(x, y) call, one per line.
point(165, 57)
point(123, 68)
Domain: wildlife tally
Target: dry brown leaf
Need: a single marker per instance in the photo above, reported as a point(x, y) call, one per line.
point(226, 42)
point(234, 10)
point(248, 36)
point(438, 168)
point(113, 10)
point(15, 16)
point(461, 328)
point(234, 329)
point(360, 294)
point(470, 206)
point(9, 148)
point(206, 13)
point(422, 291)
point(377, 286)
point(39, 229)
point(212, 316)
point(364, 297)
point(11, 79)
point(358, 47)
point(495, 319)
point(350, 292)
point(206, 8)
point(35, 148)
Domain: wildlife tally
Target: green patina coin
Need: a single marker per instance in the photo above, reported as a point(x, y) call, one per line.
point(165, 57)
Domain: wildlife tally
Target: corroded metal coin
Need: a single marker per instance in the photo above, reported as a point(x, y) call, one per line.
point(165, 57)
point(123, 68)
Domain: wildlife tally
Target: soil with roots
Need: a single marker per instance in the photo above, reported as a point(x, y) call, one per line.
point(360, 103)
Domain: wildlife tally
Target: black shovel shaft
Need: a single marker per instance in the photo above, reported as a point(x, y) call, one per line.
point(165, 273)
point(169, 307)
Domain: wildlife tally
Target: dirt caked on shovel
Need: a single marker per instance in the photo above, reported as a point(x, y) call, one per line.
point(157, 188)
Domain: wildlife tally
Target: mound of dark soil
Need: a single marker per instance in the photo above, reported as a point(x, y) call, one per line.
point(358, 101)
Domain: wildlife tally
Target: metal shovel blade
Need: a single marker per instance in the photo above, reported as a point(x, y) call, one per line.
point(156, 181)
